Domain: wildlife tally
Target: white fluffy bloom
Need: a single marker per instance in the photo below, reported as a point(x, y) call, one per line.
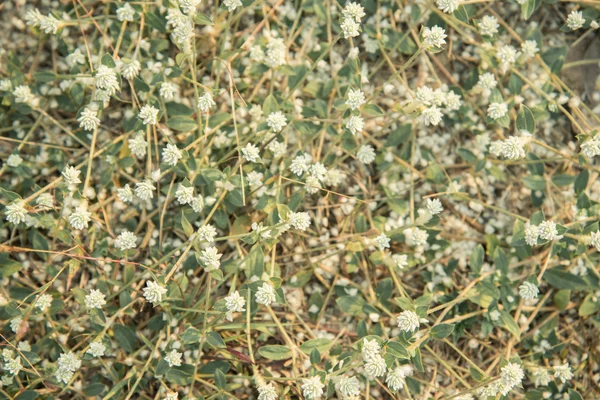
point(49, 24)
point(234, 303)
point(529, 48)
point(16, 212)
point(312, 388)
point(125, 13)
point(356, 98)
point(251, 153)
point(366, 154)
point(173, 358)
point(507, 54)
point(301, 164)
point(23, 94)
point(168, 90)
point(447, 6)
point(106, 79)
point(541, 377)
point(300, 220)
point(575, 20)
point(44, 302)
point(210, 257)
point(531, 234)
point(15, 324)
point(382, 241)
point(207, 233)
point(95, 299)
point(189, 6)
point(153, 292)
point(396, 379)
point(184, 194)
point(408, 321)
point(497, 110)
point(431, 116)
point(13, 365)
point(276, 121)
point(267, 392)
point(197, 203)
point(563, 372)
point(206, 102)
point(548, 231)
point(71, 176)
point(131, 69)
point(145, 189)
point(595, 240)
point(276, 52)
point(138, 145)
point(511, 375)
point(126, 240)
point(354, 11)
point(350, 28)
point(80, 218)
point(232, 4)
point(149, 115)
point(434, 37)
point(528, 290)
point(417, 237)
point(488, 26)
point(400, 260)
point(513, 148)
point(591, 148)
point(375, 366)
point(434, 206)
point(68, 364)
point(125, 194)
point(487, 81)
point(171, 154)
point(96, 349)
point(266, 294)
point(88, 119)
point(355, 124)
point(14, 160)
point(349, 386)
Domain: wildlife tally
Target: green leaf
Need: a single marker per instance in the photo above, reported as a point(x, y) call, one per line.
point(534, 182)
point(321, 344)
point(372, 110)
point(563, 179)
point(581, 181)
point(215, 340)
point(125, 337)
point(315, 357)
point(270, 105)
point(275, 352)
point(220, 380)
point(510, 324)
point(525, 120)
point(108, 61)
point(477, 258)
point(185, 224)
point(255, 262)
point(442, 331)
point(560, 279)
point(590, 306)
point(203, 19)
point(529, 7)
point(182, 123)
point(190, 335)
point(351, 304)
point(465, 13)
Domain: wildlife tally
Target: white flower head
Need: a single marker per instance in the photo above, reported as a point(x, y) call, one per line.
point(145, 189)
point(312, 388)
point(266, 294)
point(171, 154)
point(173, 358)
point(447, 6)
point(251, 153)
point(126, 240)
point(276, 121)
point(232, 4)
point(547, 231)
point(267, 392)
point(16, 212)
point(206, 102)
point(355, 98)
point(563, 373)
point(382, 241)
point(497, 110)
point(300, 220)
point(125, 13)
point(355, 124)
point(234, 303)
point(366, 154)
point(96, 349)
point(408, 321)
point(149, 115)
point(575, 20)
point(354, 11)
point(44, 302)
point(434, 37)
point(488, 26)
point(138, 145)
point(210, 257)
point(153, 292)
point(95, 299)
point(350, 28)
point(528, 290)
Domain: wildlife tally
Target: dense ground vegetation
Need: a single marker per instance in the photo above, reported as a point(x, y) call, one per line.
point(283, 199)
